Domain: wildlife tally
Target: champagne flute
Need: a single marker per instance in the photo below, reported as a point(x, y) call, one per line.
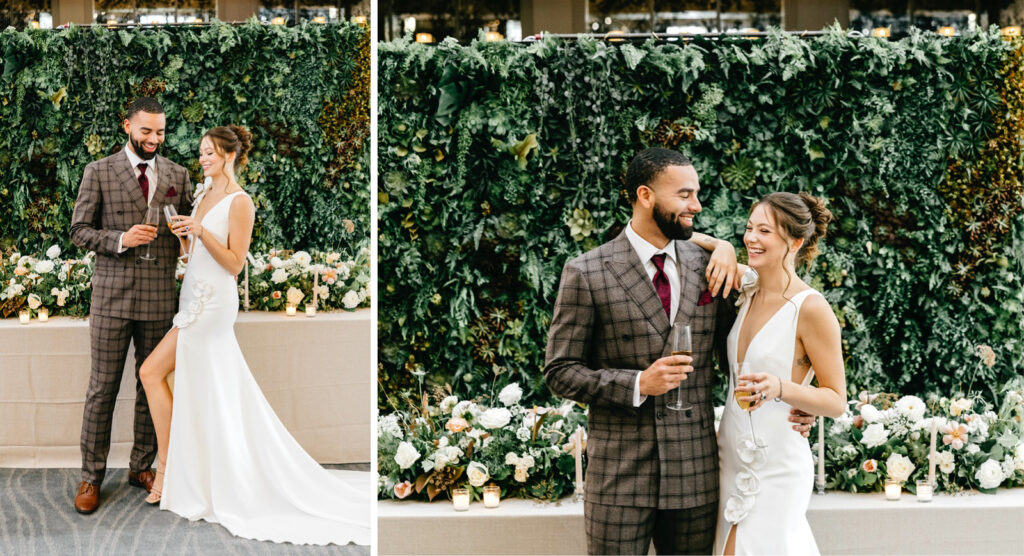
point(744, 369)
point(169, 214)
point(682, 344)
point(152, 219)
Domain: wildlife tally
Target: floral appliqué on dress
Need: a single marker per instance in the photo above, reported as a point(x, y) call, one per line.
point(202, 291)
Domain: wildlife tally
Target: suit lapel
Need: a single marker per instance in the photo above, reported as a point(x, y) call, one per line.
point(691, 278)
point(131, 184)
point(629, 272)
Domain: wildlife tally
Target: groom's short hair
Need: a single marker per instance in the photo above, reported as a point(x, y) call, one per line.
point(646, 166)
point(144, 104)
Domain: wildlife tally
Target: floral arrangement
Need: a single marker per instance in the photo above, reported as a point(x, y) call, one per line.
point(276, 277)
point(529, 452)
point(33, 282)
point(978, 446)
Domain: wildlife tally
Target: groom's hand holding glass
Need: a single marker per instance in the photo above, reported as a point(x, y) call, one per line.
point(139, 234)
point(665, 374)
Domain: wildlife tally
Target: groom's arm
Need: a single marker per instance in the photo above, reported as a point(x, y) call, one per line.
point(85, 230)
point(569, 340)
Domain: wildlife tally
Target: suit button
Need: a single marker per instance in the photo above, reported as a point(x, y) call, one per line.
point(660, 415)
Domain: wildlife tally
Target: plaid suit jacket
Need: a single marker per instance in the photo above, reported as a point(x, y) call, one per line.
point(110, 202)
point(609, 325)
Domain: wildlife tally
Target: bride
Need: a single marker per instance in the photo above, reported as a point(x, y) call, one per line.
point(223, 455)
point(785, 334)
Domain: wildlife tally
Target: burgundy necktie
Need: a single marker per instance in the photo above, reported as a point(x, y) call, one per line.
point(143, 180)
point(661, 284)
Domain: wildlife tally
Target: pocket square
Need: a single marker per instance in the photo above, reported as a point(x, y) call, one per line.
point(172, 192)
point(705, 298)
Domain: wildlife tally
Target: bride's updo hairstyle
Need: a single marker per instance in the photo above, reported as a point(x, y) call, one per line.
point(799, 215)
point(232, 139)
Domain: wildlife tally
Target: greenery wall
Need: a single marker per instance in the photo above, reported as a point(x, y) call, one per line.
point(501, 161)
point(303, 92)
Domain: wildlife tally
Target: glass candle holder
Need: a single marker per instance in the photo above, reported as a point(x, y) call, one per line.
point(893, 489)
point(460, 499)
point(24, 316)
point(289, 310)
point(44, 314)
point(311, 310)
point(492, 496)
point(924, 491)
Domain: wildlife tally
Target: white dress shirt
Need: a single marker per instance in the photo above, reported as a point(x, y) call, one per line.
point(645, 251)
point(151, 172)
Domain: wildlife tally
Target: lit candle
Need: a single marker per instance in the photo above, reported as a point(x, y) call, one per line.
point(289, 310)
point(924, 491)
point(492, 496)
point(44, 314)
point(821, 454)
point(460, 499)
point(893, 488)
point(24, 316)
point(932, 456)
point(310, 310)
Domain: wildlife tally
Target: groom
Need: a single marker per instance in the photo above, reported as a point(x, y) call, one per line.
point(652, 471)
point(133, 299)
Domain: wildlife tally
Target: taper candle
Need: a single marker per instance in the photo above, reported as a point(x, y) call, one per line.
point(932, 454)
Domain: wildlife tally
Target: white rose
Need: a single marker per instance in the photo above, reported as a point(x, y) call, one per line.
point(511, 458)
point(522, 474)
point(440, 460)
point(302, 258)
point(276, 262)
point(870, 414)
point(350, 300)
point(990, 474)
point(44, 267)
point(899, 467)
point(494, 418)
point(62, 297)
point(874, 435)
point(477, 474)
point(462, 409)
point(280, 275)
point(448, 404)
point(294, 295)
point(453, 453)
point(53, 252)
point(526, 461)
point(406, 455)
point(945, 461)
point(511, 394)
point(911, 407)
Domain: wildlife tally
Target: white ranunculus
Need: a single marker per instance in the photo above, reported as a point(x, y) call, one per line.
point(44, 267)
point(747, 483)
point(899, 467)
point(279, 276)
point(874, 435)
point(406, 455)
point(350, 300)
point(911, 407)
point(945, 462)
point(870, 414)
point(494, 418)
point(990, 474)
point(448, 403)
point(53, 252)
point(523, 434)
point(477, 474)
point(511, 394)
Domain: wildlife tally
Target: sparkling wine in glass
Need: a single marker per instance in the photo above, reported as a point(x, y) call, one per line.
point(682, 344)
point(741, 370)
point(152, 219)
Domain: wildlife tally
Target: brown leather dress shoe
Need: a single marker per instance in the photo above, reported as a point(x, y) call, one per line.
point(88, 498)
point(142, 479)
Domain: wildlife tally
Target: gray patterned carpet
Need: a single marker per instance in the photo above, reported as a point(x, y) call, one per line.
point(37, 517)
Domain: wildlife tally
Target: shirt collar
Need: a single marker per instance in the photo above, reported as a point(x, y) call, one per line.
point(644, 249)
point(134, 159)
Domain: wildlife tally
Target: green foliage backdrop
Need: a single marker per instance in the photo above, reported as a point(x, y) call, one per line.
point(303, 91)
point(501, 161)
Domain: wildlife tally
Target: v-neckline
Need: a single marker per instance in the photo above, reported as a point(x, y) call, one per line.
point(217, 204)
point(743, 321)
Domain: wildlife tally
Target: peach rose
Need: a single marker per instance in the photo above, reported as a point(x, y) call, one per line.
point(276, 295)
point(858, 421)
point(20, 271)
point(457, 424)
point(403, 489)
point(870, 466)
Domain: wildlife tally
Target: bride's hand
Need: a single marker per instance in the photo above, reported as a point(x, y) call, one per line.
point(763, 386)
point(182, 226)
point(722, 269)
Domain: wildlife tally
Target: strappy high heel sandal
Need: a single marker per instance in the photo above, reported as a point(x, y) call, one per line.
point(154, 492)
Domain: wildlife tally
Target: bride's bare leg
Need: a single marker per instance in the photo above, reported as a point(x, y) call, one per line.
point(153, 375)
point(730, 542)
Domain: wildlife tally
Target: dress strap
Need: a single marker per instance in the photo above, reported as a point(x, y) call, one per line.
point(799, 299)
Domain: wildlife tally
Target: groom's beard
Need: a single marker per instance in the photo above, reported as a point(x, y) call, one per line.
point(670, 225)
point(140, 151)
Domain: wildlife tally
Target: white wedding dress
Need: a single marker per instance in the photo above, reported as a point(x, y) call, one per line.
point(765, 492)
point(230, 460)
